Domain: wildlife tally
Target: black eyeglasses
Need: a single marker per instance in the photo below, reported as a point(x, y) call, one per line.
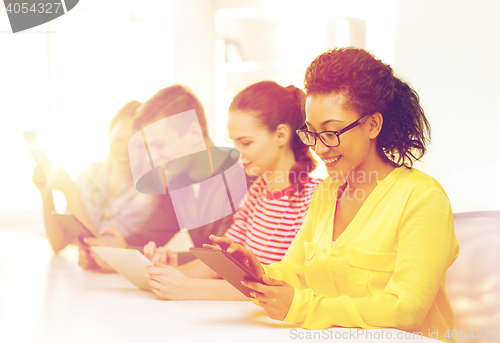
point(329, 138)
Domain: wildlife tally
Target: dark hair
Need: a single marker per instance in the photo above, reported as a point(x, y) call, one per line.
point(273, 105)
point(370, 86)
point(168, 102)
point(127, 111)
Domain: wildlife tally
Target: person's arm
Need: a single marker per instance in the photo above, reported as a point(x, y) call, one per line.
point(215, 289)
point(58, 237)
point(186, 283)
point(197, 269)
point(61, 180)
point(170, 283)
point(162, 256)
point(426, 248)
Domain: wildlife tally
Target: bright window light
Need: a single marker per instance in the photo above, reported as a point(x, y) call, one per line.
point(70, 79)
point(342, 33)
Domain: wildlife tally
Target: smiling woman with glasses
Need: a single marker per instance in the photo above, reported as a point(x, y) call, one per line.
point(329, 138)
point(378, 237)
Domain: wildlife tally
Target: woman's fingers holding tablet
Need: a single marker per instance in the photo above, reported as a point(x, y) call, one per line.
point(246, 257)
point(149, 250)
point(236, 250)
point(109, 237)
point(254, 264)
point(273, 295)
point(165, 257)
point(84, 259)
point(258, 287)
point(239, 253)
point(222, 242)
point(167, 282)
point(39, 178)
point(154, 270)
point(156, 287)
point(210, 246)
point(113, 238)
point(154, 274)
point(260, 298)
point(160, 257)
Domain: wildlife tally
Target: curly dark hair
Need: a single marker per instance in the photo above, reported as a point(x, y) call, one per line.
point(370, 86)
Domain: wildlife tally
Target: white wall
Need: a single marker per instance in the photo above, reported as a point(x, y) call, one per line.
point(449, 52)
point(193, 27)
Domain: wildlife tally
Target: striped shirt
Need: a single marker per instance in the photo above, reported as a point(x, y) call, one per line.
point(268, 222)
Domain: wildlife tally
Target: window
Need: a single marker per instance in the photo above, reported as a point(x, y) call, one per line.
point(67, 78)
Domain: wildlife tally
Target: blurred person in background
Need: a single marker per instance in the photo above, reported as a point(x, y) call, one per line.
point(103, 197)
point(201, 202)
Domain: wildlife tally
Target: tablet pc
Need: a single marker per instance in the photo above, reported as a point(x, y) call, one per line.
point(73, 225)
point(227, 267)
point(128, 262)
point(36, 149)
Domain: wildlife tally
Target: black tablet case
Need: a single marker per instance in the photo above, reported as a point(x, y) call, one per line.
point(227, 267)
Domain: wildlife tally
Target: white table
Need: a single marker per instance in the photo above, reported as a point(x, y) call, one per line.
point(46, 297)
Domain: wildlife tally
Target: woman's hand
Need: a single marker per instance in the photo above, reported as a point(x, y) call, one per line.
point(39, 178)
point(274, 296)
point(109, 237)
point(54, 178)
point(58, 178)
point(168, 282)
point(85, 260)
point(89, 260)
point(239, 252)
point(160, 256)
point(149, 250)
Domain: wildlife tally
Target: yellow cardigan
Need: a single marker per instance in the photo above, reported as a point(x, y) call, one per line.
point(386, 270)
